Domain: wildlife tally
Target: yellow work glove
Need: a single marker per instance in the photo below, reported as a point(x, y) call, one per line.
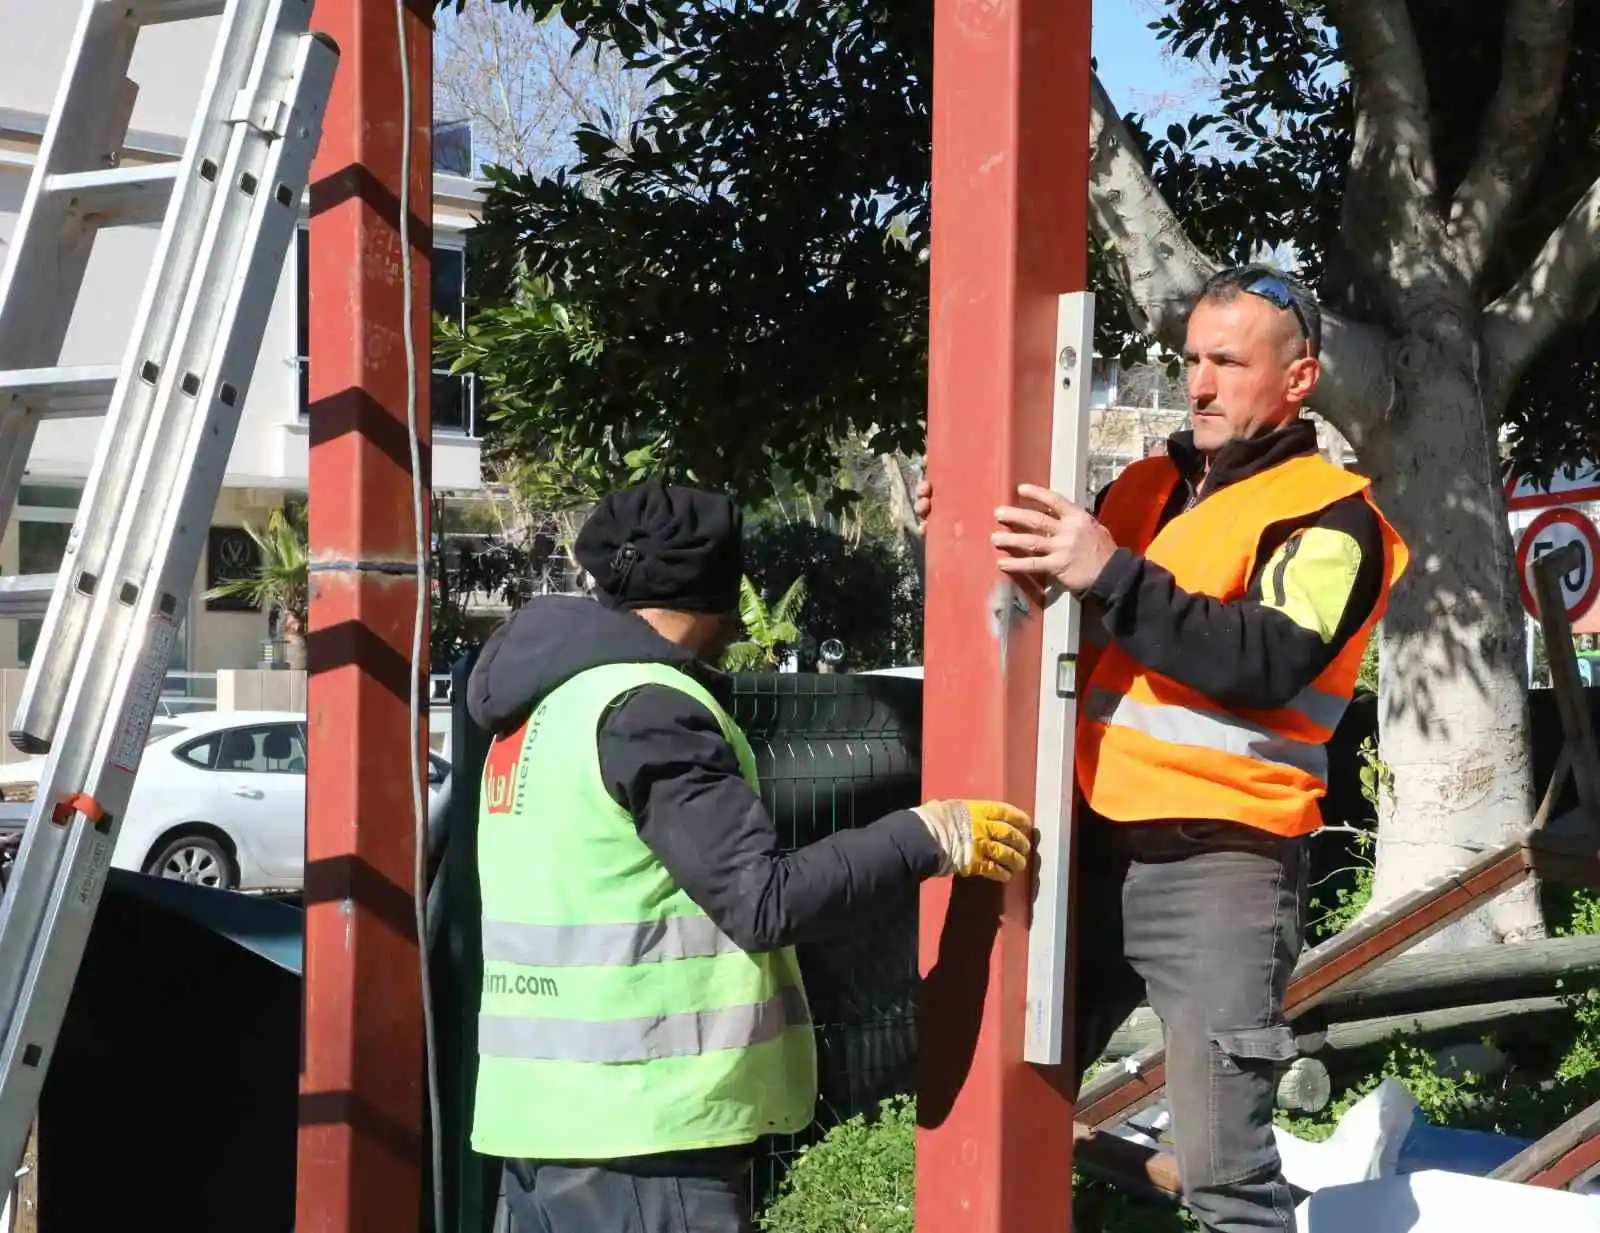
point(983, 839)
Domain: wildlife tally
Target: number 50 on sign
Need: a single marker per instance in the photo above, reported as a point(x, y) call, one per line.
point(1555, 529)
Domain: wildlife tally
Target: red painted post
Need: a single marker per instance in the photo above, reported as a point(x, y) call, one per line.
point(1010, 202)
point(361, 1142)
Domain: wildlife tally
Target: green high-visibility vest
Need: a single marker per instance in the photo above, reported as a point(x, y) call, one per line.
point(617, 1020)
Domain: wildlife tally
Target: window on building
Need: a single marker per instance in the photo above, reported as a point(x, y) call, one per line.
point(44, 518)
point(452, 396)
point(453, 399)
point(40, 547)
point(1103, 382)
point(303, 314)
point(452, 147)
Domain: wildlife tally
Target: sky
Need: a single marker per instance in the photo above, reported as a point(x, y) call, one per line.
point(1135, 69)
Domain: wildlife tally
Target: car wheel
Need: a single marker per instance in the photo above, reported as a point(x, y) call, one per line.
point(193, 858)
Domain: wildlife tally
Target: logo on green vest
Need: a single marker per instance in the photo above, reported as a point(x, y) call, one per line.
point(504, 770)
point(521, 984)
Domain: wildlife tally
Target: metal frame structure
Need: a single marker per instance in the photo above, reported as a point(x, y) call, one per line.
point(362, 1142)
point(1010, 227)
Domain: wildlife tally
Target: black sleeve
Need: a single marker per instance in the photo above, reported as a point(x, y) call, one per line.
point(1246, 653)
point(664, 759)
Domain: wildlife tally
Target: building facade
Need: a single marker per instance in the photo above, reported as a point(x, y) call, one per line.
point(269, 464)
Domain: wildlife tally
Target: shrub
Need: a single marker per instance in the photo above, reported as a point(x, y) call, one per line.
point(861, 1178)
point(858, 1178)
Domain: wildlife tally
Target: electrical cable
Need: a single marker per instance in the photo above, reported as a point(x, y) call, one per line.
point(419, 888)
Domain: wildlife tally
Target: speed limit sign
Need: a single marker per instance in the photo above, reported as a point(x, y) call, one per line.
point(1553, 529)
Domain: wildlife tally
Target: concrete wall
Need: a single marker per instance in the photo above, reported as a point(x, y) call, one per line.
point(261, 689)
point(169, 62)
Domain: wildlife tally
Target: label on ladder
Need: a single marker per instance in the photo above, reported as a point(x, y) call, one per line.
point(95, 872)
point(128, 747)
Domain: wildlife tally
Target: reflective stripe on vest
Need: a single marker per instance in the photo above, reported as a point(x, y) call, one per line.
point(610, 945)
point(646, 1039)
point(1178, 725)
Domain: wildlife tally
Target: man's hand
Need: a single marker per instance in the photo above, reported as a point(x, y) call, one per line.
point(1060, 541)
point(922, 505)
point(982, 839)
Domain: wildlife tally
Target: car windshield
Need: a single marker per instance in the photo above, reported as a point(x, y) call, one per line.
point(157, 731)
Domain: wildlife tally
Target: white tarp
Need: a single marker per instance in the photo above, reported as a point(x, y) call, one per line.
point(1358, 1178)
point(1439, 1202)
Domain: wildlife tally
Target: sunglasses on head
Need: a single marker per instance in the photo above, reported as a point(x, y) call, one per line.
point(1276, 292)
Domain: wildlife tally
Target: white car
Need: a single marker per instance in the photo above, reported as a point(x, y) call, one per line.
point(219, 799)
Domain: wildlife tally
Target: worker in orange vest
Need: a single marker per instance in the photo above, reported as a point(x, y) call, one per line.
point(1230, 586)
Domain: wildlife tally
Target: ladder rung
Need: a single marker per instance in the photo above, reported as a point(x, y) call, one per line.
point(26, 595)
point(61, 393)
point(154, 12)
point(123, 195)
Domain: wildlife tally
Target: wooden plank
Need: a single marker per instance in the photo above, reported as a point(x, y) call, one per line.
point(25, 1191)
point(1131, 1165)
point(1407, 922)
point(1558, 858)
point(1552, 790)
point(1493, 973)
point(1561, 1157)
point(1510, 1018)
point(1570, 702)
point(1330, 966)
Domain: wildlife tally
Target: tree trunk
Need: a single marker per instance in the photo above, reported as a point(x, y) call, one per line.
point(902, 508)
point(1452, 702)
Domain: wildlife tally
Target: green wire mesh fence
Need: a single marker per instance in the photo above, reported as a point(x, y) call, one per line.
point(834, 753)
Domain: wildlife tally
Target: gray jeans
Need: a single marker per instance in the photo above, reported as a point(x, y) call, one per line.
point(1204, 919)
point(689, 1194)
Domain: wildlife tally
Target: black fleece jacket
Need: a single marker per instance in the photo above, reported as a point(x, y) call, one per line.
point(664, 759)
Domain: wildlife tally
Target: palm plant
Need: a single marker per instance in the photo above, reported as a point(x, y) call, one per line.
point(281, 581)
point(766, 629)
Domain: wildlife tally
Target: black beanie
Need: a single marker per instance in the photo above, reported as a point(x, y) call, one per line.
point(661, 546)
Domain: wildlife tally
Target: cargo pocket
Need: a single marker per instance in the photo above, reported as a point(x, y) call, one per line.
point(1244, 1078)
point(1274, 1045)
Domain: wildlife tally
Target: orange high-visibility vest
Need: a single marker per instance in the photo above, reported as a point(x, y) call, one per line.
point(1149, 748)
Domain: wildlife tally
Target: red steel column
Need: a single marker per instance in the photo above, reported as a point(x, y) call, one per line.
point(1010, 202)
point(361, 1141)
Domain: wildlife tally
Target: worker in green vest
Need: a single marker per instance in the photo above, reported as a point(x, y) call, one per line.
point(643, 1020)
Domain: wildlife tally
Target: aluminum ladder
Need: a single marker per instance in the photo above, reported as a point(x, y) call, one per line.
point(228, 209)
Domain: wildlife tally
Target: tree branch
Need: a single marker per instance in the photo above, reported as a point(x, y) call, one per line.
point(1161, 270)
point(1517, 130)
point(902, 509)
point(1392, 175)
point(1156, 263)
point(1559, 288)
